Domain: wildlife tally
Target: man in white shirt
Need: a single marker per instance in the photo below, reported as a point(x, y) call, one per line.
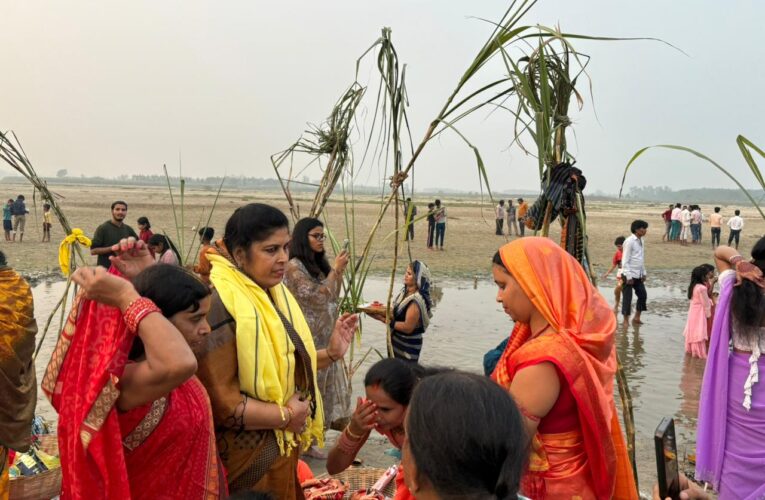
point(736, 224)
point(685, 220)
point(633, 272)
point(674, 232)
point(500, 219)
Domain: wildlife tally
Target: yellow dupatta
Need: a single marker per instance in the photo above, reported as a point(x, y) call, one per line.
point(265, 353)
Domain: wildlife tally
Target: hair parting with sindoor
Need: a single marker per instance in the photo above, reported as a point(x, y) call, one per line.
point(252, 223)
point(475, 447)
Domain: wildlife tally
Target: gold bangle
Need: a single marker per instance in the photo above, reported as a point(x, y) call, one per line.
point(350, 433)
point(284, 419)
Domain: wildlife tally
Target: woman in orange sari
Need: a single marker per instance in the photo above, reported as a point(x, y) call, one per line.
point(134, 421)
point(559, 367)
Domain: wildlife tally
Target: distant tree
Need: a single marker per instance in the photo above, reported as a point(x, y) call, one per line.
point(61, 173)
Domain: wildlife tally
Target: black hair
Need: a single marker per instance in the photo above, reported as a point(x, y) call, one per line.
point(638, 224)
point(172, 288)
point(737, 212)
point(3, 260)
point(698, 277)
point(20, 197)
point(748, 300)
point(144, 221)
point(520, 199)
point(501, 202)
point(717, 209)
point(473, 447)
point(677, 205)
point(207, 233)
point(119, 202)
point(252, 223)
point(438, 202)
point(397, 377)
point(167, 244)
point(619, 241)
point(300, 247)
point(46, 205)
point(497, 260)
point(431, 205)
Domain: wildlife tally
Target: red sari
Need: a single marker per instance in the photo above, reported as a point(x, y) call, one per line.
point(82, 383)
point(590, 460)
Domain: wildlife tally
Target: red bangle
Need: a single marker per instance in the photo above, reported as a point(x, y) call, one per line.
point(137, 311)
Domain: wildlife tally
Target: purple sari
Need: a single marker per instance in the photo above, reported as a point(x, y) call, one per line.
point(730, 452)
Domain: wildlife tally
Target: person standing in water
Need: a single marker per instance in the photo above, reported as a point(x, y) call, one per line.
point(633, 272)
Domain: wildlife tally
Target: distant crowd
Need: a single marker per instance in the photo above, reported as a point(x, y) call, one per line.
point(682, 222)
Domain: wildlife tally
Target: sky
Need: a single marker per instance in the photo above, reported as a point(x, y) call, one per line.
point(110, 88)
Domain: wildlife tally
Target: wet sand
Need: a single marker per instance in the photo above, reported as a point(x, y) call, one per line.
point(468, 322)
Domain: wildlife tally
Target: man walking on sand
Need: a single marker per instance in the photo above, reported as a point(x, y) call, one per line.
point(512, 221)
point(523, 207)
point(633, 272)
point(499, 212)
point(736, 224)
point(110, 233)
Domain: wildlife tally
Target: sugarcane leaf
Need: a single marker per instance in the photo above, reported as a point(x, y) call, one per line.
point(698, 155)
point(744, 144)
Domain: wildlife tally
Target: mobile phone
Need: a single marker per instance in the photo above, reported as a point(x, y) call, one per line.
point(346, 244)
point(666, 459)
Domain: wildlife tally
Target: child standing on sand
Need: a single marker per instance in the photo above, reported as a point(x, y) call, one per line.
point(699, 311)
point(47, 222)
point(616, 263)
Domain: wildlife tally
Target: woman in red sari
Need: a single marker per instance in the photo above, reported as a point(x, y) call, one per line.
point(134, 422)
point(559, 367)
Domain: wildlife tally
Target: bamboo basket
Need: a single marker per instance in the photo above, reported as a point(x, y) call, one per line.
point(359, 478)
point(45, 485)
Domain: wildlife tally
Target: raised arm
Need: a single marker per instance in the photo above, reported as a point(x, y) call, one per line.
point(169, 361)
point(723, 255)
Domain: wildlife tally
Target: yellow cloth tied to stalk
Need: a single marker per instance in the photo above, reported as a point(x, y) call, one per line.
point(65, 248)
point(265, 353)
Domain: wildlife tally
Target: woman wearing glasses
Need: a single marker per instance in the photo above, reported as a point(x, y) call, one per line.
point(316, 286)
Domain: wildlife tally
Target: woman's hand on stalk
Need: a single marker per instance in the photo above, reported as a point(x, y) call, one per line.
point(299, 413)
point(341, 262)
point(97, 284)
point(342, 335)
point(131, 257)
point(363, 418)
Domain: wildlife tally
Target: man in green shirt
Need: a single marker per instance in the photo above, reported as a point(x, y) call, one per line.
point(110, 233)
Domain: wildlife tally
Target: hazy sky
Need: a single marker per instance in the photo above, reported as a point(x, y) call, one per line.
point(105, 87)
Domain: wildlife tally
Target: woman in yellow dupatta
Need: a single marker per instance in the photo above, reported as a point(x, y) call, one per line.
point(259, 365)
point(559, 366)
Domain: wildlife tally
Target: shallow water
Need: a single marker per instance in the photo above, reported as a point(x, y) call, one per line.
point(467, 322)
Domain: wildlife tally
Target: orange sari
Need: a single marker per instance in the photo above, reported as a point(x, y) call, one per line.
point(591, 461)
